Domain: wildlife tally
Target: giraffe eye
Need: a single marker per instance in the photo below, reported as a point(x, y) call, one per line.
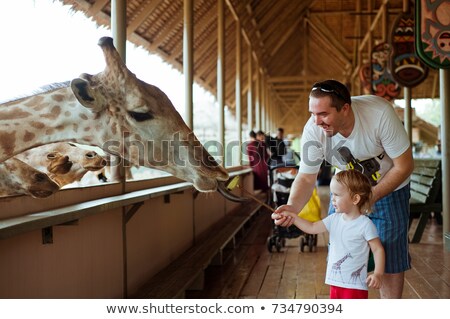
point(141, 117)
point(91, 155)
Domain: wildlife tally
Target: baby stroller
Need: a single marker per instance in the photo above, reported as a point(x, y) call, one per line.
point(282, 179)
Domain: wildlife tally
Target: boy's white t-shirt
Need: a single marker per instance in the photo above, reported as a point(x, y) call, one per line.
point(377, 137)
point(349, 250)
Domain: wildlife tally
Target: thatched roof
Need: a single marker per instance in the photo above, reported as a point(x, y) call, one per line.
point(295, 43)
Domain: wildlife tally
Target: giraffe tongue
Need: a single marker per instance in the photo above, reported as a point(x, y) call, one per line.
point(225, 192)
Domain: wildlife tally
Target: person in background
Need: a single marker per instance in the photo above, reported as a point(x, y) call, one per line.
point(257, 156)
point(276, 148)
point(352, 235)
point(260, 136)
point(362, 133)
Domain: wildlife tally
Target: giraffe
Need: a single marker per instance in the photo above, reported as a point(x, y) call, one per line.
point(50, 163)
point(81, 161)
point(336, 267)
point(117, 112)
point(357, 275)
point(17, 177)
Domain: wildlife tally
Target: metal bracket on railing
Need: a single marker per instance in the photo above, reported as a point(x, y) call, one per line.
point(130, 213)
point(47, 235)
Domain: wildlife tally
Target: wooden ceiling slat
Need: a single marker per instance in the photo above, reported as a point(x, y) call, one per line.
point(328, 36)
point(147, 11)
point(97, 7)
point(279, 25)
point(160, 37)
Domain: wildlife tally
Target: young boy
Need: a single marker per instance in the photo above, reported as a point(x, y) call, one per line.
point(352, 236)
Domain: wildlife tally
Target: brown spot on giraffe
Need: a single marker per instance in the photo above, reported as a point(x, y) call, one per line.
point(28, 136)
point(15, 114)
point(83, 117)
point(8, 142)
point(114, 129)
point(58, 97)
point(40, 107)
point(125, 133)
point(35, 100)
point(53, 114)
point(38, 125)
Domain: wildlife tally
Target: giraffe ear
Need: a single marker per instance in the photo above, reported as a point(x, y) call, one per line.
point(84, 94)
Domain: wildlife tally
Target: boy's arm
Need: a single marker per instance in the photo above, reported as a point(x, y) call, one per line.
point(307, 226)
point(374, 280)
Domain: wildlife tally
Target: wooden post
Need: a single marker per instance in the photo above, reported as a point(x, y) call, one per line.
point(407, 117)
point(257, 98)
point(188, 39)
point(221, 75)
point(119, 32)
point(407, 94)
point(250, 90)
point(238, 87)
point(444, 75)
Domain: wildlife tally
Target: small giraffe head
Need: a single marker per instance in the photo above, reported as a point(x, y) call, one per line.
point(57, 163)
point(139, 122)
point(53, 159)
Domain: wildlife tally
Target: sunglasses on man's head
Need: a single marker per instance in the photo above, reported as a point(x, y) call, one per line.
point(327, 89)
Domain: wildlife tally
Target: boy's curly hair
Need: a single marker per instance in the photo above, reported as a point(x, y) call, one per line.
point(357, 184)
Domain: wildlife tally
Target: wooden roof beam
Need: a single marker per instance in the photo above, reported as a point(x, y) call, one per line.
point(284, 38)
point(288, 11)
point(299, 78)
point(167, 30)
point(136, 22)
point(97, 7)
point(330, 41)
point(366, 38)
point(208, 46)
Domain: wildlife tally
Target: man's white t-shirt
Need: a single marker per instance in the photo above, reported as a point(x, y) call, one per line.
point(349, 250)
point(378, 136)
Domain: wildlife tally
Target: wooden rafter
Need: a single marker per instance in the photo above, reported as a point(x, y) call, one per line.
point(97, 7)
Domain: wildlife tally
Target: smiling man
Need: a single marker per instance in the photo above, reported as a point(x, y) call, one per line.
point(362, 133)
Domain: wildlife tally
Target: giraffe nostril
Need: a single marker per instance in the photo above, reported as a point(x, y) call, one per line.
point(40, 177)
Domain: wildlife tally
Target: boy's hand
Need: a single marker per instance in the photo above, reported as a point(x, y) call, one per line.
point(283, 216)
point(374, 281)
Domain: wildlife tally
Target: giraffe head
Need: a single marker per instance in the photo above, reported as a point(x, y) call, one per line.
point(47, 158)
point(142, 125)
point(64, 162)
point(17, 177)
point(57, 163)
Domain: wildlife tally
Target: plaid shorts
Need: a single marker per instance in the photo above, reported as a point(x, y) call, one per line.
point(391, 217)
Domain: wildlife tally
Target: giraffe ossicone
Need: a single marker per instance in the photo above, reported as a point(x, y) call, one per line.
point(117, 112)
